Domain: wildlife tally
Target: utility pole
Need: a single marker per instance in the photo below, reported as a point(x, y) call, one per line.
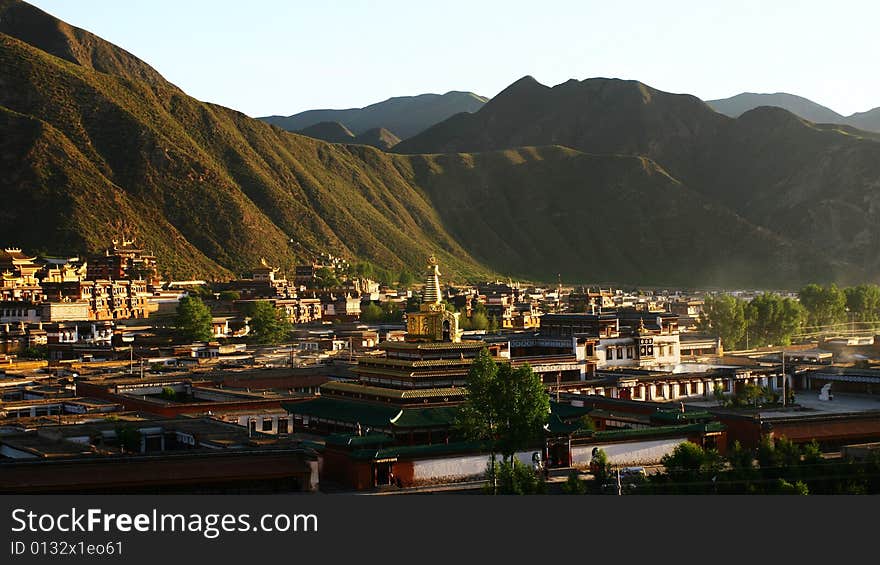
point(783, 377)
point(558, 385)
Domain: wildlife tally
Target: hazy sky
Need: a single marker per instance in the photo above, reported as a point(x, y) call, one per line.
point(284, 56)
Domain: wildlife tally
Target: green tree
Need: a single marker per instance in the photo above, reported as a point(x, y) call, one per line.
point(773, 320)
point(863, 303)
point(325, 277)
point(479, 321)
point(129, 438)
point(268, 324)
point(573, 484)
point(230, 295)
point(193, 319)
point(493, 325)
point(824, 305)
point(724, 316)
point(515, 477)
point(599, 467)
point(371, 313)
point(505, 406)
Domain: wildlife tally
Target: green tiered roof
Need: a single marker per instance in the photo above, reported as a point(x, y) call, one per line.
point(373, 414)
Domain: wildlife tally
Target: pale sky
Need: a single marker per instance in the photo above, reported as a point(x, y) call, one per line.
point(284, 56)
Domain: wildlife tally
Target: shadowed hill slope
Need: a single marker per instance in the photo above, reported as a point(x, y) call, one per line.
point(331, 132)
point(405, 116)
point(808, 183)
point(211, 190)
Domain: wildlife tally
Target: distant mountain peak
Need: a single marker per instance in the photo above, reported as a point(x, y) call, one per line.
point(405, 116)
point(333, 132)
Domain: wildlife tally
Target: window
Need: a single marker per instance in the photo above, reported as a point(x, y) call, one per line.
point(267, 425)
point(282, 425)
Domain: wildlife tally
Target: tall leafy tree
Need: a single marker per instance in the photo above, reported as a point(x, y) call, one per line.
point(863, 302)
point(505, 406)
point(325, 277)
point(479, 321)
point(371, 313)
point(773, 320)
point(193, 319)
point(269, 324)
point(724, 316)
point(825, 305)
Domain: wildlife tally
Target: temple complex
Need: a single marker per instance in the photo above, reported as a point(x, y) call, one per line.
point(124, 260)
point(407, 392)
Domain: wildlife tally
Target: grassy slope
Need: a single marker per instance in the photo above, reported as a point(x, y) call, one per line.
point(599, 218)
point(813, 185)
point(211, 190)
point(233, 188)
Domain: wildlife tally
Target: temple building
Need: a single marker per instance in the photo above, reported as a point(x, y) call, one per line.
point(18, 276)
point(407, 393)
point(267, 283)
point(124, 260)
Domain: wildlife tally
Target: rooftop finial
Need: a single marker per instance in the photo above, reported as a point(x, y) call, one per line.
point(432, 282)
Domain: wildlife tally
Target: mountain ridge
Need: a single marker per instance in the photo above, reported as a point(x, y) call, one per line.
point(805, 108)
point(211, 190)
point(402, 115)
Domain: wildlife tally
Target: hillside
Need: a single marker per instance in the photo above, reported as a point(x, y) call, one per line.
point(738, 105)
point(799, 106)
point(209, 189)
point(602, 116)
point(600, 218)
point(378, 137)
point(808, 183)
point(869, 121)
point(404, 116)
point(332, 132)
point(634, 198)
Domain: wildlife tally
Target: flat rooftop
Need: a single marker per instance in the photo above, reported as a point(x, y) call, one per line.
point(807, 404)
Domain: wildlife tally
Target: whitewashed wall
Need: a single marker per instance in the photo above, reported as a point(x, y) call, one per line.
point(458, 467)
point(635, 453)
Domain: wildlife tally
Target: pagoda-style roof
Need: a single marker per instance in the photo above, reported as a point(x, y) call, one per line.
point(414, 363)
point(391, 393)
point(372, 414)
point(469, 345)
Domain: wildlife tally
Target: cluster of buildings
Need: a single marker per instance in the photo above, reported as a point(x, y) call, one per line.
point(346, 404)
point(70, 300)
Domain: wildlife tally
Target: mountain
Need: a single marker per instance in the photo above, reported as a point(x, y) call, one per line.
point(93, 138)
point(600, 116)
point(378, 137)
point(868, 121)
point(809, 184)
point(405, 116)
point(207, 188)
point(797, 105)
point(537, 211)
point(332, 132)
